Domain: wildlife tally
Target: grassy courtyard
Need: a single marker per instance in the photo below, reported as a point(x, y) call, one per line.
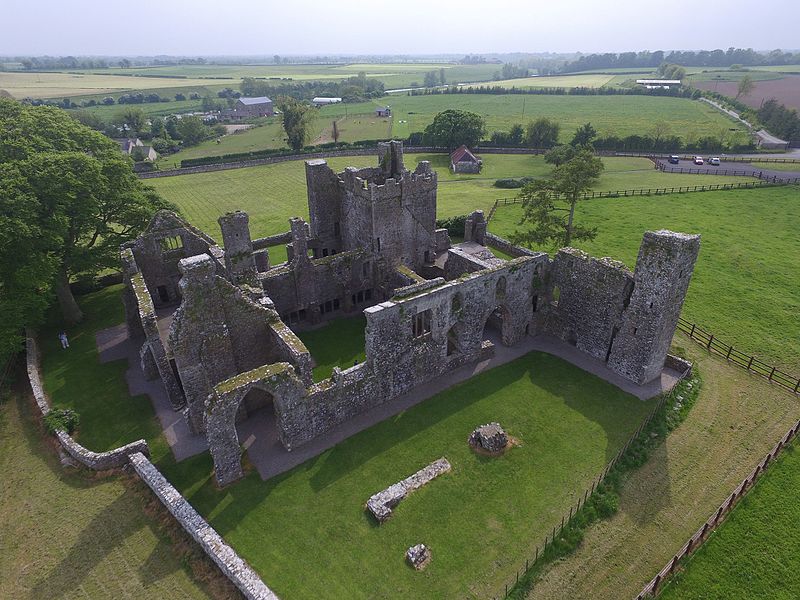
point(481, 520)
point(339, 343)
point(569, 425)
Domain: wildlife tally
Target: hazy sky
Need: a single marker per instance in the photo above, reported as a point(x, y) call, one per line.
point(190, 27)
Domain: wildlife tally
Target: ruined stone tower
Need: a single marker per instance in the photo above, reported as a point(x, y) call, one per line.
point(663, 271)
point(239, 260)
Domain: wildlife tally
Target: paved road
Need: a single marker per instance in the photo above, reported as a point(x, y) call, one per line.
point(734, 169)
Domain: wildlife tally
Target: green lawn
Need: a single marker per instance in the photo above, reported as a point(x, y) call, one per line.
point(340, 343)
point(74, 378)
point(754, 553)
point(67, 535)
point(745, 282)
point(569, 425)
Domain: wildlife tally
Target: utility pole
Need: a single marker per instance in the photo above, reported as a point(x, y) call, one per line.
point(523, 108)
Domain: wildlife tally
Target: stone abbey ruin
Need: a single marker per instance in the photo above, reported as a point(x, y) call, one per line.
point(217, 325)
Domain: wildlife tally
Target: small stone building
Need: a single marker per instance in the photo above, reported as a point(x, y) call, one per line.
point(464, 161)
point(216, 325)
point(383, 111)
point(251, 108)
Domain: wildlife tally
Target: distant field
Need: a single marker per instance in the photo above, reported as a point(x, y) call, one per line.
point(785, 90)
point(53, 84)
point(151, 109)
point(565, 81)
point(610, 115)
point(58, 85)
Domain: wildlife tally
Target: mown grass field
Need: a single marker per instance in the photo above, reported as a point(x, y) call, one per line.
point(745, 281)
point(565, 81)
point(734, 422)
point(610, 115)
point(67, 535)
point(753, 554)
point(271, 194)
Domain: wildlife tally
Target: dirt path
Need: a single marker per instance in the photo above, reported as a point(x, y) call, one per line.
point(737, 419)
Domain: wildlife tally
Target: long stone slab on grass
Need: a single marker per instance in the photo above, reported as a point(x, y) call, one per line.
point(382, 503)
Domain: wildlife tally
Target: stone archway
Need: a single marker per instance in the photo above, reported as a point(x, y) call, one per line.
point(277, 380)
point(499, 320)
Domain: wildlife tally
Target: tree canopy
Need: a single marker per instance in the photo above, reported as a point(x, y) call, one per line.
point(68, 199)
point(549, 204)
point(453, 128)
point(297, 119)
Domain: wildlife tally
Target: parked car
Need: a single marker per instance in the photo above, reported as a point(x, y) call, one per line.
point(674, 159)
point(714, 161)
point(698, 160)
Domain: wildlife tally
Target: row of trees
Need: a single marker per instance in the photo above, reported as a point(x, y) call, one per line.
point(702, 58)
point(780, 120)
point(352, 89)
point(129, 98)
point(68, 199)
point(166, 134)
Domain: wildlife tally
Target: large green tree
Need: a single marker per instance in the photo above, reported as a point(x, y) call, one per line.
point(549, 204)
point(453, 128)
point(542, 133)
point(68, 199)
point(297, 119)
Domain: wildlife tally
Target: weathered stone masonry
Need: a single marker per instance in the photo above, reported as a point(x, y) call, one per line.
point(372, 245)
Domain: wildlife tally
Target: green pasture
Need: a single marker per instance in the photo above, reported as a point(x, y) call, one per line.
point(340, 343)
point(272, 194)
point(151, 109)
point(610, 115)
point(753, 554)
point(744, 285)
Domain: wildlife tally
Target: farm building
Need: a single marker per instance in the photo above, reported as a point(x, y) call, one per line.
point(383, 111)
point(766, 140)
point(655, 84)
point(324, 101)
point(130, 146)
point(248, 108)
point(464, 161)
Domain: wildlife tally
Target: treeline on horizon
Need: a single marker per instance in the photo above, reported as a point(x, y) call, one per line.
point(746, 57)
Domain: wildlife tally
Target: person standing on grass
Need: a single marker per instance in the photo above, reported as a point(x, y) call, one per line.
point(62, 337)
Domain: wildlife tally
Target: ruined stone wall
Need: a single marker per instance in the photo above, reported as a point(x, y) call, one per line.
point(240, 263)
point(324, 203)
point(586, 299)
point(418, 335)
point(502, 244)
point(663, 271)
point(158, 250)
point(306, 283)
point(225, 557)
point(142, 327)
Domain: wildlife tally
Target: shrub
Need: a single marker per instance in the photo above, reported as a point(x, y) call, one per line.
point(510, 183)
point(64, 419)
point(454, 225)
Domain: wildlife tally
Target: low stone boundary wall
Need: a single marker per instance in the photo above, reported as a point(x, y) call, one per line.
point(382, 503)
point(136, 454)
point(99, 461)
point(229, 562)
point(502, 244)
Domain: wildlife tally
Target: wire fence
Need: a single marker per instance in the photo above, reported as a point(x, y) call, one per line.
point(739, 159)
point(567, 519)
point(702, 534)
point(765, 177)
point(746, 361)
point(648, 192)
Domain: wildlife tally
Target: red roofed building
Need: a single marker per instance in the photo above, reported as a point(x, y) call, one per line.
point(464, 161)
